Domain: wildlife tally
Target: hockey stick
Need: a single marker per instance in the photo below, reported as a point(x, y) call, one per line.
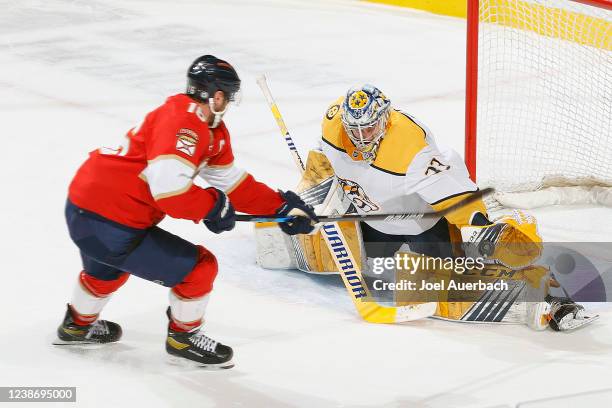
point(376, 217)
point(341, 253)
point(261, 81)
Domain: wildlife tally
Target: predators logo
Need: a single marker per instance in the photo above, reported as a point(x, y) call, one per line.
point(358, 197)
point(358, 100)
point(331, 112)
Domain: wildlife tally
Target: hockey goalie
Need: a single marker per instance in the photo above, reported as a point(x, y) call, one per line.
point(375, 159)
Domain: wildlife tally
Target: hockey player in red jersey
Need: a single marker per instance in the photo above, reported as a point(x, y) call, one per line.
point(118, 196)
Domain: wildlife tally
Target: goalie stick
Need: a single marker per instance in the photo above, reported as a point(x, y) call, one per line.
point(375, 217)
point(355, 285)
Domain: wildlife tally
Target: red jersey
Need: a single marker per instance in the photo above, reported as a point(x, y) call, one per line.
point(152, 173)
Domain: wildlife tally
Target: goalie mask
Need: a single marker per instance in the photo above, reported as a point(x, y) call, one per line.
point(365, 113)
point(209, 74)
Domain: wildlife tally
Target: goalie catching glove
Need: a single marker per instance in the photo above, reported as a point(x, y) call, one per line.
point(304, 215)
point(512, 241)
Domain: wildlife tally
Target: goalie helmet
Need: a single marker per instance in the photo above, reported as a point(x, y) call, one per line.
point(209, 74)
point(365, 113)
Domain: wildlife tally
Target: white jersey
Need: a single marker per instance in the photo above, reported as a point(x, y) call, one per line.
point(410, 172)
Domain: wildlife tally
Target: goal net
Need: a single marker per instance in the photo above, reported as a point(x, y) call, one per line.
point(539, 100)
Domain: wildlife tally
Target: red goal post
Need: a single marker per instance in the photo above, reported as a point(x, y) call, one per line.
point(539, 97)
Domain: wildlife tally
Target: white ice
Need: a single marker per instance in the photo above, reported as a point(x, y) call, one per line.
point(75, 75)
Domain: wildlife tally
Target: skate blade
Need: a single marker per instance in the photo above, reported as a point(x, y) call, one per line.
point(183, 362)
point(576, 324)
point(82, 343)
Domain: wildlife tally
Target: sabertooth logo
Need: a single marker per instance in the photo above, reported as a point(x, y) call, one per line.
point(436, 166)
point(358, 197)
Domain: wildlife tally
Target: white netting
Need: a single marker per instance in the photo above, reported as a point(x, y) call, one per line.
point(544, 94)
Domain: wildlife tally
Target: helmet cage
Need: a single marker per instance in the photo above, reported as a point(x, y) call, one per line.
point(364, 137)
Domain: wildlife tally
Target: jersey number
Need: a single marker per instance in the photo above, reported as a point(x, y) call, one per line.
point(194, 108)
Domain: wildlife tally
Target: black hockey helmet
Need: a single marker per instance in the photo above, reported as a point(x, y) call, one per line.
point(209, 74)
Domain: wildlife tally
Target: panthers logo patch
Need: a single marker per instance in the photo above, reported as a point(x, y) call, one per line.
point(358, 100)
point(357, 195)
point(332, 111)
point(186, 141)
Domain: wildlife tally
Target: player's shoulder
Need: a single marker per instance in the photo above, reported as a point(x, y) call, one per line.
point(404, 139)
point(181, 106)
point(180, 111)
point(179, 127)
point(332, 129)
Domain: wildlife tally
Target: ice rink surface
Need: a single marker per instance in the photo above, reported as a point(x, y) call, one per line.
point(76, 75)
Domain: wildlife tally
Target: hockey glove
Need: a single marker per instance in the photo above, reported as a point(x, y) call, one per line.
point(512, 241)
point(304, 215)
point(222, 216)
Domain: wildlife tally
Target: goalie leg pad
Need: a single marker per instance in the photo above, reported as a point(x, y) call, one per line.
point(274, 248)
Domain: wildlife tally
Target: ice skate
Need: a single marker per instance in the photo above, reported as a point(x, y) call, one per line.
point(566, 315)
point(195, 348)
point(99, 332)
